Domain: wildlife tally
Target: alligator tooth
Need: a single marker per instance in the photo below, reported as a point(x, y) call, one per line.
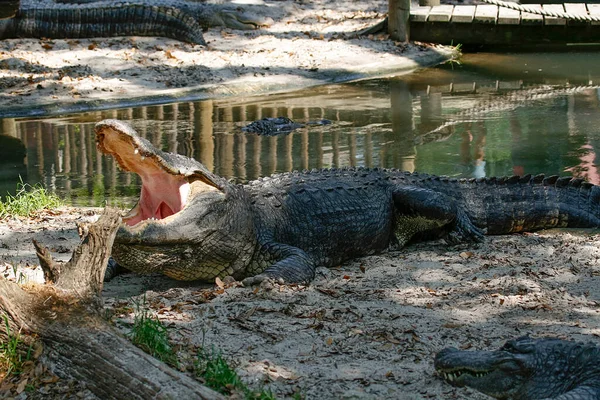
point(142, 158)
point(135, 151)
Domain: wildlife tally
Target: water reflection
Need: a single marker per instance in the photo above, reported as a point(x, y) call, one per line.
point(470, 121)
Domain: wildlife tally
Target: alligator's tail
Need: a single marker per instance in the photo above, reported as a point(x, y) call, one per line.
point(105, 21)
point(525, 204)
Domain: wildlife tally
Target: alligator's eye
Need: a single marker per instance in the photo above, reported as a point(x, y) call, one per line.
point(519, 346)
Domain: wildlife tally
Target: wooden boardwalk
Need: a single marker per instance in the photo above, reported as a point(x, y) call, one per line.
point(499, 26)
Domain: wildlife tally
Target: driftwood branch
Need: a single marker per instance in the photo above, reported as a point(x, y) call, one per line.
point(78, 343)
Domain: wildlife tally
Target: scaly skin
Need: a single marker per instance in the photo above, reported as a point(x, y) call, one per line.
point(278, 126)
point(207, 15)
point(191, 224)
point(526, 369)
point(88, 22)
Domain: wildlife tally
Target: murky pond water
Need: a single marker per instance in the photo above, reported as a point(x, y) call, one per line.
point(490, 115)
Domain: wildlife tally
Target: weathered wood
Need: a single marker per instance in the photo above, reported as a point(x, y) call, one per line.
point(78, 343)
point(431, 3)
point(530, 18)
point(594, 9)
point(479, 35)
point(398, 18)
point(576, 9)
point(419, 14)
point(508, 16)
point(440, 13)
point(463, 14)
point(486, 13)
point(554, 20)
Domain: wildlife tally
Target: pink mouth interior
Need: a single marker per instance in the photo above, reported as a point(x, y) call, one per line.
point(162, 196)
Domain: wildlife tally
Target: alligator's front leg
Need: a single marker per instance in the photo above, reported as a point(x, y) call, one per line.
point(424, 212)
point(292, 265)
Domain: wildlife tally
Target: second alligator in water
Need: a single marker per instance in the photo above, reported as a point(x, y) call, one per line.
point(527, 369)
point(278, 126)
point(192, 224)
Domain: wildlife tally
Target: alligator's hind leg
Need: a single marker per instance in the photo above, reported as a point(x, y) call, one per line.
point(291, 265)
point(422, 213)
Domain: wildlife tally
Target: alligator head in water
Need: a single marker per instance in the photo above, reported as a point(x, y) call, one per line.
point(526, 369)
point(184, 213)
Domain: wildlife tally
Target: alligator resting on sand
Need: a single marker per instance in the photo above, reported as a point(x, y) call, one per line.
point(191, 224)
point(177, 19)
point(526, 369)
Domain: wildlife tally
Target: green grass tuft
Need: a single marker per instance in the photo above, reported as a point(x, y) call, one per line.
point(217, 374)
point(152, 336)
point(27, 201)
point(12, 353)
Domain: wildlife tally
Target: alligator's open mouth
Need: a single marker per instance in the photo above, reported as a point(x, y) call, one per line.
point(168, 180)
point(457, 376)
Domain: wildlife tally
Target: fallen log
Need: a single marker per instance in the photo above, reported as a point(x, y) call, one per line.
point(78, 343)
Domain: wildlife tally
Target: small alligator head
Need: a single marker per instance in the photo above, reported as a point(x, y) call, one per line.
point(183, 214)
point(523, 369)
point(238, 18)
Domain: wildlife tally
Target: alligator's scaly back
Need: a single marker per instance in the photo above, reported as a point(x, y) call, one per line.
point(208, 15)
point(192, 224)
point(106, 21)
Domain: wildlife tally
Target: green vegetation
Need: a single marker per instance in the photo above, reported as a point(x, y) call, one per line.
point(12, 354)
point(216, 373)
point(27, 201)
point(151, 335)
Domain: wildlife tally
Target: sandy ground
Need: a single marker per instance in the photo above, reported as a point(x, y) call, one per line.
point(368, 329)
point(309, 43)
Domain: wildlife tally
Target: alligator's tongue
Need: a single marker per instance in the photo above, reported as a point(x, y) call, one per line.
point(162, 195)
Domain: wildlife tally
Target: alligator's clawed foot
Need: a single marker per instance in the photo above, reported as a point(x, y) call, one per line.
point(112, 269)
point(261, 279)
point(465, 231)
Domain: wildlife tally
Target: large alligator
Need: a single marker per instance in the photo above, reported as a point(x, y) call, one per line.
point(526, 369)
point(176, 19)
point(192, 224)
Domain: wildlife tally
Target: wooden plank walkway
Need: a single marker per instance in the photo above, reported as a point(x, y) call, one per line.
point(493, 25)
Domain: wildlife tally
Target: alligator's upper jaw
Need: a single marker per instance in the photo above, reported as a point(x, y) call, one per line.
point(165, 189)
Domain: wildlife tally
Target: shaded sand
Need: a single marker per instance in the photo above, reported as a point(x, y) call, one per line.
point(368, 329)
point(309, 43)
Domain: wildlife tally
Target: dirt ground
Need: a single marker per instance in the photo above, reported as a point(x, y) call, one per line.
point(309, 43)
point(368, 329)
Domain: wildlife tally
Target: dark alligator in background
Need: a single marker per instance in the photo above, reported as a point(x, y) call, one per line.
point(176, 19)
point(130, 20)
point(278, 126)
point(526, 369)
point(192, 224)
point(208, 15)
